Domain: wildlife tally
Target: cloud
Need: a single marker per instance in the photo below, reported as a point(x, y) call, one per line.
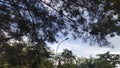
point(84, 49)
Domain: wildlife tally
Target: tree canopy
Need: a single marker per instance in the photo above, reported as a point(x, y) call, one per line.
point(43, 20)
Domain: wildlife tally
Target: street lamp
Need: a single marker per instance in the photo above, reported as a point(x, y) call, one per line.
point(58, 47)
point(60, 43)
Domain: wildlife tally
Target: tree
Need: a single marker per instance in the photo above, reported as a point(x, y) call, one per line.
point(105, 60)
point(41, 21)
point(20, 55)
point(95, 63)
point(68, 56)
point(13, 55)
point(111, 58)
point(68, 59)
point(87, 63)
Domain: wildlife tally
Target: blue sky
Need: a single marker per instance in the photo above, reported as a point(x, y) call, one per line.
point(84, 49)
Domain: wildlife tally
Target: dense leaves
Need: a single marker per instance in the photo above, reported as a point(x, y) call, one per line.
point(41, 20)
point(95, 63)
point(38, 21)
point(20, 55)
point(105, 60)
point(66, 59)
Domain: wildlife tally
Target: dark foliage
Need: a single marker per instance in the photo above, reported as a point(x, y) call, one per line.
point(40, 21)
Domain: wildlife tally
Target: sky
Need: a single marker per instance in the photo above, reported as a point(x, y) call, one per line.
point(81, 49)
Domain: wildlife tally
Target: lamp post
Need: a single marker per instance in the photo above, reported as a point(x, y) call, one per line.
point(60, 43)
point(58, 47)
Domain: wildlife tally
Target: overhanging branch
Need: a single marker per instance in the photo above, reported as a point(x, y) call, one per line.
point(7, 39)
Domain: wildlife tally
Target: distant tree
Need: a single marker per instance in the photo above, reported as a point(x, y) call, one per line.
point(103, 61)
point(112, 58)
point(68, 59)
point(95, 63)
point(68, 56)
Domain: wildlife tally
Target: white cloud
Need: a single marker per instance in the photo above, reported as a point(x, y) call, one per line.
point(85, 50)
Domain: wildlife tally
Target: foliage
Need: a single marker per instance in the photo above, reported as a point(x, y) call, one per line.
point(67, 56)
point(66, 59)
point(87, 63)
point(104, 61)
point(20, 55)
point(96, 63)
point(41, 20)
point(112, 58)
point(68, 66)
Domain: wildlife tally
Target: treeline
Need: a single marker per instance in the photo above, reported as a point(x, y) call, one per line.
point(21, 55)
point(68, 60)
